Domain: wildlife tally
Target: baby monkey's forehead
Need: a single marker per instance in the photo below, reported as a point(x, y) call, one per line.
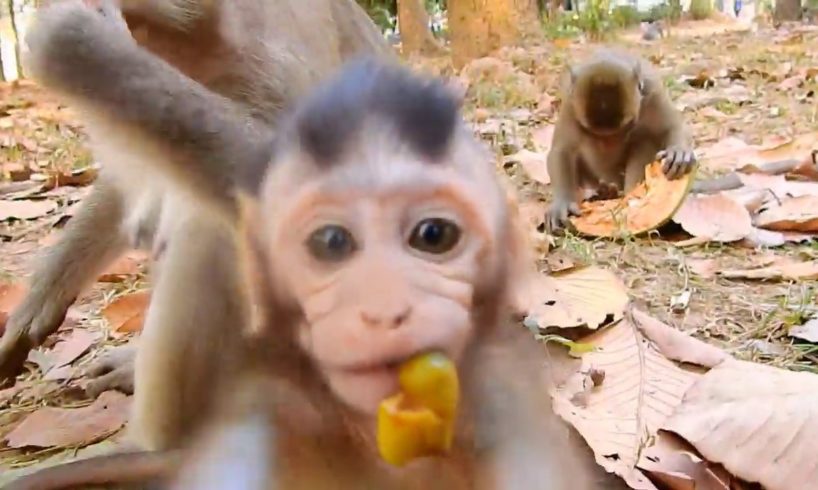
point(422, 112)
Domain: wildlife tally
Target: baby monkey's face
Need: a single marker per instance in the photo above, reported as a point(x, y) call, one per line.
point(383, 254)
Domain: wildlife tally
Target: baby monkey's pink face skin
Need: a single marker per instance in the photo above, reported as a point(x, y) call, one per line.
point(383, 253)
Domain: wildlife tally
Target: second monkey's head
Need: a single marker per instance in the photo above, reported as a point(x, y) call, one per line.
point(384, 226)
point(606, 93)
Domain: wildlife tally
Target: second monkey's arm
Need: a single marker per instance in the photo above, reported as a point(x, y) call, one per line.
point(562, 168)
point(91, 58)
point(677, 154)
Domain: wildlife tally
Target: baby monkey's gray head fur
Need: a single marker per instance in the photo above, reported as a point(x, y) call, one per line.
point(423, 111)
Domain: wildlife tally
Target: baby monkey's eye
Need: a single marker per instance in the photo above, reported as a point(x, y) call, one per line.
point(331, 243)
point(435, 236)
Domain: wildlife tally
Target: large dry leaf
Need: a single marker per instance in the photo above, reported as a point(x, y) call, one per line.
point(760, 422)
point(533, 163)
point(129, 264)
point(793, 214)
point(25, 209)
point(127, 313)
point(751, 198)
point(640, 389)
point(676, 345)
point(732, 153)
point(65, 351)
point(724, 154)
point(784, 269)
point(60, 427)
point(543, 138)
point(714, 217)
point(674, 463)
point(777, 186)
point(587, 296)
point(647, 207)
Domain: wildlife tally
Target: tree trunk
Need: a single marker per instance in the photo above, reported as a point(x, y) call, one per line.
point(16, 40)
point(413, 23)
point(787, 10)
point(478, 27)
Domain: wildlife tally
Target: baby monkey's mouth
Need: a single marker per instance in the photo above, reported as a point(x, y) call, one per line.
point(386, 365)
point(376, 366)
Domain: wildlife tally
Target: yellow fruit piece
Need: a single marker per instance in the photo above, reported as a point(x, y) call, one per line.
point(419, 421)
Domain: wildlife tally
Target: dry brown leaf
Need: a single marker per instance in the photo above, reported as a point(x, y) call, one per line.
point(722, 154)
point(533, 163)
point(532, 214)
point(674, 463)
point(77, 177)
point(105, 447)
point(59, 374)
point(751, 199)
point(790, 83)
point(16, 172)
point(793, 214)
point(65, 351)
point(60, 427)
point(807, 169)
point(712, 112)
point(767, 238)
point(645, 208)
point(770, 414)
point(11, 295)
point(586, 296)
point(676, 345)
point(705, 268)
point(542, 138)
point(692, 242)
point(25, 209)
point(558, 261)
point(778, 185)
point(795, 148)
point(641, 389)
point(127, 313)
point(546, 104)
point(129, 264)
point(732, 153)
point(808, 331)
point(785, 269)
point(715, 217)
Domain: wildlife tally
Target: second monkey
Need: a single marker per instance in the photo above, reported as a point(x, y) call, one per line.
point(615, 119)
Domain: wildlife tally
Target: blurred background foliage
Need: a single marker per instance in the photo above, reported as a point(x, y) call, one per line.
point(564, 18)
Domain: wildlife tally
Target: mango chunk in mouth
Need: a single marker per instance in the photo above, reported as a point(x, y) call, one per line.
point(419, 420)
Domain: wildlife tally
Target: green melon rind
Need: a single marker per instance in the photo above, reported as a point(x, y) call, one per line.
point(615, 233)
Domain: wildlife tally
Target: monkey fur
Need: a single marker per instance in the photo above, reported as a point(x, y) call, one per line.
point(615, 119)
point(372, 229)
point(261, 55)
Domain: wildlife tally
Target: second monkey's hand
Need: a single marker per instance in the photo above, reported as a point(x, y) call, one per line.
point(72, 23)
point(558, 214)
point(676, 161)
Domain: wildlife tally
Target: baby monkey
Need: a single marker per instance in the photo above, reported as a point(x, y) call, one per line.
point(373, 229)
point(615, 119)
